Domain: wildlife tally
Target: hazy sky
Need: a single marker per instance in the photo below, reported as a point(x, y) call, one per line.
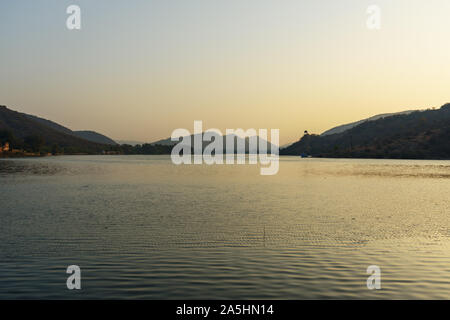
point(139, 69)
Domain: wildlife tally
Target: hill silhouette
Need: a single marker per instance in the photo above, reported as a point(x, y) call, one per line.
point(417, 135)
point(94, 137)
point(248, 147)
point(27, 133)
point(345, 127)
point(84, 134)
point(33, 134)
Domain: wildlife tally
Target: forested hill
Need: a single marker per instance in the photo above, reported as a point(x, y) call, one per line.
point(26, 133)
point(22, 132)
point(83, 134)
point(418, 135)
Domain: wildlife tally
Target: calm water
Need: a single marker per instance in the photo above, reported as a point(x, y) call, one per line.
point(140, 227)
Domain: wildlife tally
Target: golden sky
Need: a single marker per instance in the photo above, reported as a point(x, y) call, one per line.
point(139, 69)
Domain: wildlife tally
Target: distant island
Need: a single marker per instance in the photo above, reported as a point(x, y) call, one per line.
point(409, 135)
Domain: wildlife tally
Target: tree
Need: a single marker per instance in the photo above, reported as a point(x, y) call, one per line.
point(34, 143)
point(6, 136)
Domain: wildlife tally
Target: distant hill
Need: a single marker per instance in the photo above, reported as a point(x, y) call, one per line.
point(344, 127)
point(49, 124)
point(237, 139)
point(130, 142)
point(164, 142)
point(95, 137)
point(43, 135)
point(415, 135)
point(87, 135)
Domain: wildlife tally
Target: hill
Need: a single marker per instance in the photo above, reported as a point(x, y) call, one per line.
point(417, 135)
point(130, 142)
point(86, 135)
point(237, 139)
point(95, 137)
point(345, 127)
point(40, 135)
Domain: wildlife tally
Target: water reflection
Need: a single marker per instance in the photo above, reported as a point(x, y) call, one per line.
point(141, 227)
point(44, 167)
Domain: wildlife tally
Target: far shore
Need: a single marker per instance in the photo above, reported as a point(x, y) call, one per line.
point(24, 155)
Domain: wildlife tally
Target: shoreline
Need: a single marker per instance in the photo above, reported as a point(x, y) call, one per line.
point(33, 155)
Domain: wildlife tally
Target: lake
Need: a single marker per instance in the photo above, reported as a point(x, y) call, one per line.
point(140, 227)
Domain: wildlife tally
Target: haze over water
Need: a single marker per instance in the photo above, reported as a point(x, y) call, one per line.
point(141, 227)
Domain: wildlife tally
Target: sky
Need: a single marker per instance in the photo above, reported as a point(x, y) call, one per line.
point(139, 69)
